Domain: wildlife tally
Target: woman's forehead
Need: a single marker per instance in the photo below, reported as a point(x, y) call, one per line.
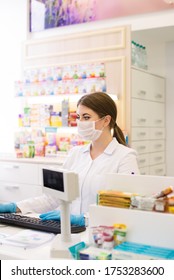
point(81, 109)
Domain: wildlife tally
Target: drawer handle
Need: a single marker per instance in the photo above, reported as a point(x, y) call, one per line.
point(141, 147)
point(142, 133)
point(142, 92)
point(11, 188)
point(11, 166)
point(158, 121)
point(158, 95)
point(158, 158)
point(159, 171)
point(158, 146)
point(159, 133)
point(142, 120)
point(142, 160)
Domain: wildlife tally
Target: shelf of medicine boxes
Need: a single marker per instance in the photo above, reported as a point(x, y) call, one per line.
point(49, 93)
point(60, 87)
point(48, 113)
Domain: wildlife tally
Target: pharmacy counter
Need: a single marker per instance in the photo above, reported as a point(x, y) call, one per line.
point(146, 227)
point(58, 160)
point(22, 244)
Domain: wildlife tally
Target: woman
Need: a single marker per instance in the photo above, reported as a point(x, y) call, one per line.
point(107, 153)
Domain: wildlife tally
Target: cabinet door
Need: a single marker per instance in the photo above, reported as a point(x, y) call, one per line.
point(157, 88)
point(16, 192)
point(140, 84)
point(157, 145)
point(157, 133)
point(140, 133)
point(157, 170)
point(140, 113)
point(156, 158)
point(144, 170)
point(22, 173)
point(141, 147)
point(156, 112)
point(143, 160)
point(147, 113)
point(147, 86)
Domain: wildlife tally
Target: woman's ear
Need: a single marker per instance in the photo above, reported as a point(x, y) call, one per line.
point(107, 120)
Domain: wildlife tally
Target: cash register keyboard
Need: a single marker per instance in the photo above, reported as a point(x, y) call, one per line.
point(36, 223)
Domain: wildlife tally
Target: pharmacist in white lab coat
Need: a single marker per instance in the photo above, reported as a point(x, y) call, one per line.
point(107, 153)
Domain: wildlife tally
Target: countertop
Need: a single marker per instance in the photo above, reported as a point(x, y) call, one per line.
point(59, 159)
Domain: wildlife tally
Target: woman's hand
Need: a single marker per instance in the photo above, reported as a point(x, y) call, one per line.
point(8, 208)
point(55, 215)
point(52, 215)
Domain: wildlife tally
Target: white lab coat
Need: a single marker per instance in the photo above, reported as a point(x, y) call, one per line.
point(116, 158)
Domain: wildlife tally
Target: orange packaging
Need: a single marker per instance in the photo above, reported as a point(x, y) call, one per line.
point(164, 192)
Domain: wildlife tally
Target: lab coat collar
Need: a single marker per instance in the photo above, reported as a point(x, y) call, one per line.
point(86, 148)
point(109, 149)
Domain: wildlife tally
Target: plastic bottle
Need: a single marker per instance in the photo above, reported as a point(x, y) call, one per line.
point(136, 55)
point(141, 57)
point(133, 53)
point(145, 59)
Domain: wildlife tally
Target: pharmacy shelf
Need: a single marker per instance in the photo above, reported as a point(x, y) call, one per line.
point(147, 227)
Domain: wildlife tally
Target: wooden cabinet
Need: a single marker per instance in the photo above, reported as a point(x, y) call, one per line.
point(147, 125)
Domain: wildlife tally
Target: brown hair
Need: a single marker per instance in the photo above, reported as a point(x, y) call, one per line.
point(102, 104)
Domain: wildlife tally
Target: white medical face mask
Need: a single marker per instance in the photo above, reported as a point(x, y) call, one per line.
point(86, 129)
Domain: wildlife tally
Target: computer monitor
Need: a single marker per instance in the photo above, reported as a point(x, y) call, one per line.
point(60, 183)
point(63, 185)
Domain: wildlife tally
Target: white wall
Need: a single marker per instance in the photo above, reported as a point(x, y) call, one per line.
point(13, 26)
point(170, 108)
point(156, 58)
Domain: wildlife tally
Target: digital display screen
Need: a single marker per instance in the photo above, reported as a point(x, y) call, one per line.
point(53, 180)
